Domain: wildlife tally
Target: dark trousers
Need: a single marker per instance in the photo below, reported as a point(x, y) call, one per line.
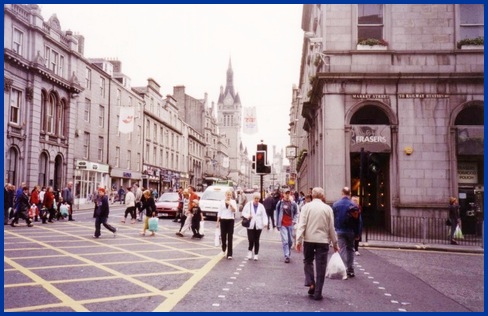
point(132, 211)
point(318, 252)
point(270, 216)
point(5, 216)
point(98, 223)
point(183, 220)
point(195, 228)
point(253, 236)
point(23, 215)
point(227, 234)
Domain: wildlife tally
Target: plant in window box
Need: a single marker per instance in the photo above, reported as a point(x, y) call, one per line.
point(372, 44)
point(471, 43)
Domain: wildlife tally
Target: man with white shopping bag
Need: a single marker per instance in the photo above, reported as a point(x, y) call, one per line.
point(316, 231)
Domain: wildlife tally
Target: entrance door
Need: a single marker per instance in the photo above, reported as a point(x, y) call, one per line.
point(373, 192)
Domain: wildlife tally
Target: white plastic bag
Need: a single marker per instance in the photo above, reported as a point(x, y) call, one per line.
point(458, 234)
point(202, 228)
point(336, 268)
point(217, 237)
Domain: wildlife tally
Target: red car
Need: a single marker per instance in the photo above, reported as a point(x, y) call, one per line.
point(167, 204)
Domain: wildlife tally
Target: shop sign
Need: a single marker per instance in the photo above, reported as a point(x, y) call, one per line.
point(91, 166)
point(126, 175)
point(373, 138)
point(467, 172)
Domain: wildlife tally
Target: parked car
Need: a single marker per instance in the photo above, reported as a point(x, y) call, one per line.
point(212, 196)
point(167, 204)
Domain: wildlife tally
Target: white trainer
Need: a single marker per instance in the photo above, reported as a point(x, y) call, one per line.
point(357, 253)
point(249, 255)
point(255, 257)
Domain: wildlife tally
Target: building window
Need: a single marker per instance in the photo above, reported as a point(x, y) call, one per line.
point(117, 156)
point(161, 157)
point(15, 106)
point(54, 61)
point(370, 21)
point(471, 20)
point(118, 98)
point(86, 145)
point(100, 148)
point(101, 115)
point(17, 41)
point(60, 119)
point(102, 87)
point(147, 152)
point(155, 129)
point(154, 161)
point(139, 131)
point(86, 115)
point(88, 79)
point(138, 162)
point(129, 155)
point(148, 129)
point(50, 114)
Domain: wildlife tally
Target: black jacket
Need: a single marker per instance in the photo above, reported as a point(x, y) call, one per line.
point(150, 206)
point(101, 207)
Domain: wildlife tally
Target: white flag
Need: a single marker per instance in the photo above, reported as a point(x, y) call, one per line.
point(225, 162)
point(126, 120)
point(250, 121)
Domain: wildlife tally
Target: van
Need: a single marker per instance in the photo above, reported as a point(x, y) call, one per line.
point(211, 198)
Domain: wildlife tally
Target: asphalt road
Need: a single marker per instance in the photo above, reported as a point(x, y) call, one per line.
point(60, 267)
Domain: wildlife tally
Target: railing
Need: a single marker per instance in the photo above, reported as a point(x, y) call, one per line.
point(425, 230)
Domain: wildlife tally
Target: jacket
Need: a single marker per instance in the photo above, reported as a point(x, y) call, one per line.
point(101, 207)
point(150, 206)
point(278, 213)
point(344, 220)
point(258, 219)
point(316, 224)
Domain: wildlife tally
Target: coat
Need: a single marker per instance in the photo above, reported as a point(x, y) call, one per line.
point(101, 207)
point(258, 219)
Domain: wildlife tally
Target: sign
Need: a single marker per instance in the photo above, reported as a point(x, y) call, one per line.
point(91, 166)
point(470, 140)
point(291, 152)
point(467, 172)
point(250, 121)
point(373, 138)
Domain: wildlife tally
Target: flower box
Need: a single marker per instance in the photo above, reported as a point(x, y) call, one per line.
point(476, 47)
point(371, 47)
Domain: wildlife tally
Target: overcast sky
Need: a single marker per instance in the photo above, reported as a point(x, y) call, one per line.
point(191, 45)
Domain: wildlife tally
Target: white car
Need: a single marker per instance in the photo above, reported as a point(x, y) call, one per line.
point(211, 198)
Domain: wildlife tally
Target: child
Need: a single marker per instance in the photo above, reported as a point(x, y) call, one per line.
point(63, 210)
point(153, 224)
point(195, 221)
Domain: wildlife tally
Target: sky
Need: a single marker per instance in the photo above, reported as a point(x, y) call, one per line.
point(191, 45)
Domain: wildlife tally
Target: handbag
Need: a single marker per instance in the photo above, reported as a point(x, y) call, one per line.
point(245, 221)
point(448, 222)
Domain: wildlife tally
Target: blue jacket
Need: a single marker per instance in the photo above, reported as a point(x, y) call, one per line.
point(344, 221)
point(278, 213)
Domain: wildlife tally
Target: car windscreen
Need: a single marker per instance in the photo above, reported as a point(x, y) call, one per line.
point(217, 195)
point(168, 197)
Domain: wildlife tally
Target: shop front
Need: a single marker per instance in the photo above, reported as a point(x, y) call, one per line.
point(89, 176)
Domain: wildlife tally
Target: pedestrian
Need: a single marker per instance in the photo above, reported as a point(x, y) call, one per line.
point(225, 220)
point(35, 200)
point(149, 206)
point(355, 200)
point(241, 199)
point(155, 194)
point(63, 209)
point(346, 223)
point(138, 194)
point(130, 203)
point(121, 193)
point(285, 216)
point(101, 212)
point(270, 204)
point(179, 208)
point(22, 208)
point(256, 212)
point(316, 233)
point(48, 206)
point(186, 214)
point(8, 202)
point(68, 198)
point(454, 217)
point(197, 218)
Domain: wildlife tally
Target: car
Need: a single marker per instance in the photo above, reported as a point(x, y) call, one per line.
point(211, 198)
point(167, 204)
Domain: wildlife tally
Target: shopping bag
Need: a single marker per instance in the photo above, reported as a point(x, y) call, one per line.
point(336, 268)
point(202, 228)
point(217, 237)
point(458, 234)
point(33, 211)
point(153, 224)
point(64, 210)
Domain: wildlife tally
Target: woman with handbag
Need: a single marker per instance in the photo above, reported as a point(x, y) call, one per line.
point(258, 219)
point(454, 217)
point(149, 205)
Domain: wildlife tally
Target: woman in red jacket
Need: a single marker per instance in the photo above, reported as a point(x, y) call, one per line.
point(35, 200)
point(48, 205)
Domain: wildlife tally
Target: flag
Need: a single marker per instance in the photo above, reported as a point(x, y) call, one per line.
point(250, 121)
point(126, 120)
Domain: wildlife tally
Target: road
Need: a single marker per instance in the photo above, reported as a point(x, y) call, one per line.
point(60, 267)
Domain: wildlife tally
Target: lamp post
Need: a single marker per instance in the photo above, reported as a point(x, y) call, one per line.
point(291, 154)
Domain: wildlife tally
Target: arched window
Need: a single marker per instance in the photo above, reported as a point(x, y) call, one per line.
point(12, 165)
point(43, 112)
point(43, 164)
point(60, 118)
point(50, 114)
point(471, 115)
point(370, 115)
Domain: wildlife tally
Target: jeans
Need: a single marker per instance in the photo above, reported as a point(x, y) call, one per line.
point(227, 234)
point(345, 241)
point(319, 252)
point(286, 239)
point(253, 236)
point(98, 223)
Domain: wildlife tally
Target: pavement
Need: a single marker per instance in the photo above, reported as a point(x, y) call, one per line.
point(368, 244)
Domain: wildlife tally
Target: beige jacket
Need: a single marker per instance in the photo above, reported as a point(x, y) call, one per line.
point(316, 224)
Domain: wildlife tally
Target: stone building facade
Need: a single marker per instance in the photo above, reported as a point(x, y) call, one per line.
point(401, 122)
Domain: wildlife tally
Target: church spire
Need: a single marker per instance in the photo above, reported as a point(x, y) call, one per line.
point(229, 86)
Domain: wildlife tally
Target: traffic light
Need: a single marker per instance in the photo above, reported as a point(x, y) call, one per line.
point(261, 166)
point(254, 162)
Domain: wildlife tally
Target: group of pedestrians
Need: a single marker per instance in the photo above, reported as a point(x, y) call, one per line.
point(39, 204)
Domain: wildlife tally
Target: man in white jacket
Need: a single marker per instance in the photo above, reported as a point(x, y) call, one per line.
point(316, 232)
point(130, 203)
